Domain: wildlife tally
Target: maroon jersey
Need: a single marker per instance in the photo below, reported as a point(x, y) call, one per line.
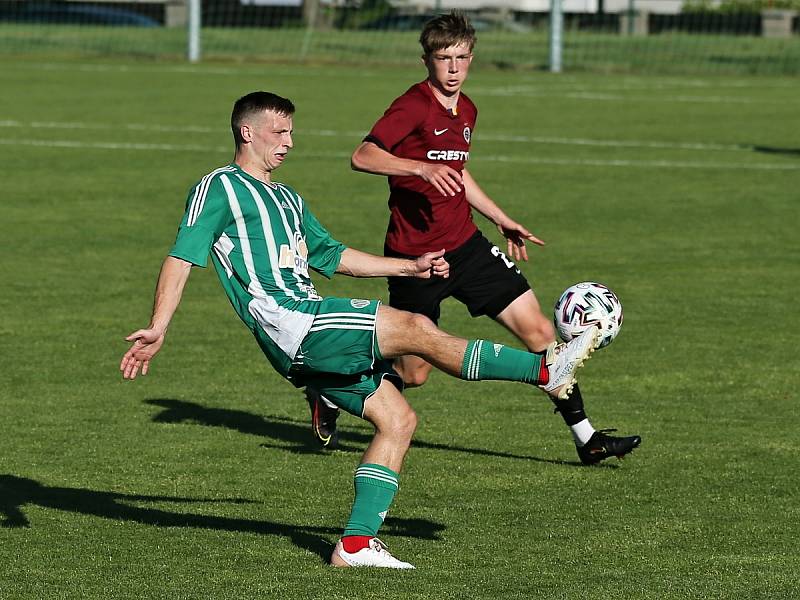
point(418, 127)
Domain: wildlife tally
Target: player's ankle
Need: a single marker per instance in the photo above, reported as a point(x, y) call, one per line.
point(544, 373)
point(354, 543)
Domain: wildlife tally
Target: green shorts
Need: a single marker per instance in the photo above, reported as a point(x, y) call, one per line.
point(339, 357)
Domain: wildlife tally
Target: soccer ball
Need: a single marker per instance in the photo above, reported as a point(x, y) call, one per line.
point(585, 305)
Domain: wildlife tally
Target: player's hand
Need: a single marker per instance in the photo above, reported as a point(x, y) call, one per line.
point(146, 343)
point(432, 264)
point(516, 236)
point(446, 180)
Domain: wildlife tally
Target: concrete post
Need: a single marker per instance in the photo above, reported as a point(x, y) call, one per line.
point(634, 23)
point(777, 23)
point(175, 13)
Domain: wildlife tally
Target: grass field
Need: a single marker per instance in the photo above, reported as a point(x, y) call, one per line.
point(200, 481)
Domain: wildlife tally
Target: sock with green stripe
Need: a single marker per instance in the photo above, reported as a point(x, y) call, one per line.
point(485, 360)
point(376, 486)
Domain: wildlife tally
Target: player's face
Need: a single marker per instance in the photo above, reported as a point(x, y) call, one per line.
point(448, 68)
point(271, 139)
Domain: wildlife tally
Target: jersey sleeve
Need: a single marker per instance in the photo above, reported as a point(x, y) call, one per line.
point(324, 252)
point(206, 215)
point(402, 117)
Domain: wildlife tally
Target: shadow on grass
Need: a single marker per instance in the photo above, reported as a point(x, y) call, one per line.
point(774, 150)
point(18, 492)
point(295, 436)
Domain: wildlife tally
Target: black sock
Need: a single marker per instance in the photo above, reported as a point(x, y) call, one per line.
point(571, 409)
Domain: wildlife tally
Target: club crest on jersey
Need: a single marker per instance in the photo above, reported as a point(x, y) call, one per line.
point(295, 258)
point(467, 134)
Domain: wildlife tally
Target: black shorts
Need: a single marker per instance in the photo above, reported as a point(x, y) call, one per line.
point(482, 278)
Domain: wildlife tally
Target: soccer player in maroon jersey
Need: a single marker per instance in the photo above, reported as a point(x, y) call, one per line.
point(422, 144)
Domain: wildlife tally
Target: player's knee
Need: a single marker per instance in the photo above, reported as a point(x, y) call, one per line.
point(417, 376)
point(401, 423)
point(412, 370)
point(406, 423)
point(421, 324)
point(539, 332)
point(545, 329)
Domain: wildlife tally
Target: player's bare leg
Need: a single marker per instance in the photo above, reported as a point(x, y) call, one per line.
point(400, 333)
point(395, 422)
point(524, 318)
point(376, 481)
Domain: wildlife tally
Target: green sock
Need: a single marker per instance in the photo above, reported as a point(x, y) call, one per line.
point(376, 486)
point(485, 360)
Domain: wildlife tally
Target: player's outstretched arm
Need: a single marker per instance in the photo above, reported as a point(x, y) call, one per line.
point(370, 158)
point(362, 264)
point(147, 342)
point(515, 234)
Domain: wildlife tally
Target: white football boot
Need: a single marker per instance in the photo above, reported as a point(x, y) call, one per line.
point(563, 360)
point(374, 555)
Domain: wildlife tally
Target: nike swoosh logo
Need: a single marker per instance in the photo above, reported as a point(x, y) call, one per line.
point(439, 132)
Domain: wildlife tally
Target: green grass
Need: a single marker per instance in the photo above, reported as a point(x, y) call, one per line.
point(199, 481)
point(668, 52)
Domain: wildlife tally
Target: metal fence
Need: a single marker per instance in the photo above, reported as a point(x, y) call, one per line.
point(672, 36)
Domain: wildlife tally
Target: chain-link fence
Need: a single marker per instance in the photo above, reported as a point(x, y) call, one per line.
point(677, 36)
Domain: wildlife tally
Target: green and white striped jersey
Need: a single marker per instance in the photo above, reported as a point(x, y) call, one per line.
point(263, 239)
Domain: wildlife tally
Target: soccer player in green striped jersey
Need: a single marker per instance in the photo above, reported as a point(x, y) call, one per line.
point(264, 240)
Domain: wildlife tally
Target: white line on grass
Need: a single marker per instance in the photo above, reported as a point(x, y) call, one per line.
point(489, 137)
point(594, 95)
point(11, 123)
point(114, 145)
point(109, 68)
point(562, 81)
point(274, 68)
point(612, 143)
point(611, 91)
point(567, 162)
point(651, 164)
point(642, 84)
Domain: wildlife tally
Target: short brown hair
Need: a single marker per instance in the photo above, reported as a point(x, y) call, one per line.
point(253, 103)
point(447, 30)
